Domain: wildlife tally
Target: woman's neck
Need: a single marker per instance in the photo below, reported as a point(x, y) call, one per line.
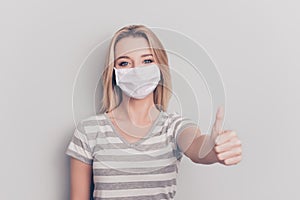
point(139, 111)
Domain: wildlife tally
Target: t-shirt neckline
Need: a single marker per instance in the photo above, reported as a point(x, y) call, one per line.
point(131, 144)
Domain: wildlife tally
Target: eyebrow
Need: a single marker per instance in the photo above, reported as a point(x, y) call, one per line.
point(144, 55)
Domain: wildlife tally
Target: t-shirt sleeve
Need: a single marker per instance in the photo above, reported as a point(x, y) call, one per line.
point(79, 147)
point(180, 123)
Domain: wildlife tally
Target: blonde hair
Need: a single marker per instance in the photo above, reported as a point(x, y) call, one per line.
point(112, 94)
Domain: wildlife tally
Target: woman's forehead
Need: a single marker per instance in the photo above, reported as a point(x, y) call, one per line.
point(131, 45)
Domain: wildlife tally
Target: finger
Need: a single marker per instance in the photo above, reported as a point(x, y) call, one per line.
point(234, 142)
point(229, 154)
point(226, 136)
point(216, 130)
point(233, 161)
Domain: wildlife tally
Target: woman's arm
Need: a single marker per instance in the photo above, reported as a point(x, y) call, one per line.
point(191, 142)
point(220, 146)
point(203, 150)
point(201, 145)
point(81, 177)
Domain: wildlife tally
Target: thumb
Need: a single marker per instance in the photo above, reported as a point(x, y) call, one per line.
point(209, 142)
point(216, 130)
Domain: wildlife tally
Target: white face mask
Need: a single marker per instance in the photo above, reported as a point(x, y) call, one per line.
point(138, 82)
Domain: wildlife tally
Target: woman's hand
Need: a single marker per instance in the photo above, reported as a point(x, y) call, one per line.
point(228, 147)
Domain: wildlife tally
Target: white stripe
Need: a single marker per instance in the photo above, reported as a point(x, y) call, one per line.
point(117, 140)
point(134, 164)
point(133, 192)
point(81, 136)
point(134, 178)
point(79, 150)
point(157, 128)
point(106, 140)
point(95, 117)
point(108, 128)
point(97, 128)
point(180, 124)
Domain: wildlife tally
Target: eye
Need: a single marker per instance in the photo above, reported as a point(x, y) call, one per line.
point(148, 61)
point(123, 64)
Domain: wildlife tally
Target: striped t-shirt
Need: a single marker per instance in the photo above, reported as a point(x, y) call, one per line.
point(146, 169)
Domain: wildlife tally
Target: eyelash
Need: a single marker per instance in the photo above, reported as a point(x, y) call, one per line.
point(150, 60)
point(121, 63)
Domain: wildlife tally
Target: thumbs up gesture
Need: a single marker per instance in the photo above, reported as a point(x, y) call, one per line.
point(227, 146)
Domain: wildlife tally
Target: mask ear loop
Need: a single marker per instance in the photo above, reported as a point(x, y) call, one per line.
point(116, 76)
point(161, 83)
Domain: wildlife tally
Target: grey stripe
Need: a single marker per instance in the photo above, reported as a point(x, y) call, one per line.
point(104, 121)
point(108, 133)
point(179, 122)
point(111, 133)
point(159, 131)
point(124, 171)
point(173, 117)
point(80, 143)
point(144, 197)
point(134, 157)
point(140, 147)
point(134, 185)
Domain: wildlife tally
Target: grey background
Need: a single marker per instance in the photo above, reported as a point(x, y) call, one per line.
point(253, 44)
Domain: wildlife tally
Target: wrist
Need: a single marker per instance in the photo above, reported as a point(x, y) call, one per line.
point(210, 158)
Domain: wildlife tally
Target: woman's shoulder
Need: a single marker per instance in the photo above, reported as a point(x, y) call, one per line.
point(177, 117)
point(91, 118)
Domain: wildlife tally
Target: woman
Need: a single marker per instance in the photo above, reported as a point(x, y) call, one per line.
point(133, 149)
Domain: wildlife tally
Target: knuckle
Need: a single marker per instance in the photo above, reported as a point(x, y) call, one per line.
point(217, 149)
point(226, 162)
point(232, 133)
point(219, 157)
point(237, 142)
